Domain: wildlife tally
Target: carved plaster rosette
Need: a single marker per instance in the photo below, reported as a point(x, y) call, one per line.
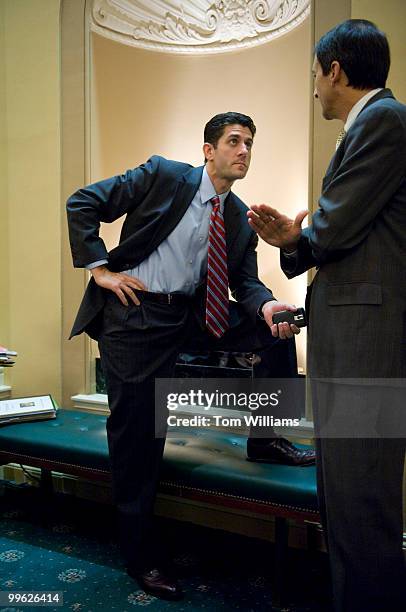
point(196, 26)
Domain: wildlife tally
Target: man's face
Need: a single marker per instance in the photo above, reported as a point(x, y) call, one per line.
point(323, 90)
point(231, 158)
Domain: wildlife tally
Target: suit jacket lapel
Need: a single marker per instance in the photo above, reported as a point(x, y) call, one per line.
point(339, 154)
point(188, 184)
point(231, 221)
point(186, 189)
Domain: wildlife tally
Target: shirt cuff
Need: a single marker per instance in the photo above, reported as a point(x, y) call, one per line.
point(95, 264)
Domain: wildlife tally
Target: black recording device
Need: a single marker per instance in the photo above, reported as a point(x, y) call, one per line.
point(295, 317)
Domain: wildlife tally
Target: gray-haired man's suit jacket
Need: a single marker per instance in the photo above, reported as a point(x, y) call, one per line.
point(357, 312)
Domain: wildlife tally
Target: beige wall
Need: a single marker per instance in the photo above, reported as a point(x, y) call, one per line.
point(389, 16)
point(30, 192)
point(146, 102)
point(4, 239)
point(75, 354)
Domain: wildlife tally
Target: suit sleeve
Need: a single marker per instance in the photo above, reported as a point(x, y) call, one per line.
point(372, 170)
point(104, 201)
point(302, 261)
point(245, 285)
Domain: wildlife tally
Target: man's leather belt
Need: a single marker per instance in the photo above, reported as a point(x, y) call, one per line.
point(175, 299)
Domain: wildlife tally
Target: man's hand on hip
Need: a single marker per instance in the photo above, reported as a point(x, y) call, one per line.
point(273, 227)
point(121, 284)
point(281, 330)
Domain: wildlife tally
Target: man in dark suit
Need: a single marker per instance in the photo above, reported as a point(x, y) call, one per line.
point(357, 317)
point(184, 242)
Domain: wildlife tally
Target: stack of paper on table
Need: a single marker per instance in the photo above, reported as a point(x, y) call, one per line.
point(27, 409)
point(7, 357)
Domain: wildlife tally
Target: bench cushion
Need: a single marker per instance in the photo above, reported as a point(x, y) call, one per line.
point(199, 459)
point(73, 437)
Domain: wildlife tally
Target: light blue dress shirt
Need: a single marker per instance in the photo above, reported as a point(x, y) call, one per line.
point(179, 263)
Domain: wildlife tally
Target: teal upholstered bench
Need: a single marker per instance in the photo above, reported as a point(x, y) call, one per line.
point(202, 465)
point(197, 463)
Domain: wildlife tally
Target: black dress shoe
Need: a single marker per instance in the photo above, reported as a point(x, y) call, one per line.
point(155, 582)
point(279, 450)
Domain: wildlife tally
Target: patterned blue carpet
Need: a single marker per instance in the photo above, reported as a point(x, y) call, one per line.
point(69, 545)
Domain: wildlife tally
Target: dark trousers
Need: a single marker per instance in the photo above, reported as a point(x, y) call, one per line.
point(137, 345)
point(359, 482)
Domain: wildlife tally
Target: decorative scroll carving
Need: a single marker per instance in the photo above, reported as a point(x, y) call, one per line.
point(196, 26)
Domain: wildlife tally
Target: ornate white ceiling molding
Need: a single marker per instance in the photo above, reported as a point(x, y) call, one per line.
point(196, 26)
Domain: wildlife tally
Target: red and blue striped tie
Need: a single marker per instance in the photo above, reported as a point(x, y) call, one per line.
point(217, 319)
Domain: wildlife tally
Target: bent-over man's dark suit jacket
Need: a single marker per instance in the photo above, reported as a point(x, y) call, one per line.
point(154, 198)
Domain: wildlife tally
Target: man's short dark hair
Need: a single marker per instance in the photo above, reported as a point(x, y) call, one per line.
point(214, 129)
point(362, 51)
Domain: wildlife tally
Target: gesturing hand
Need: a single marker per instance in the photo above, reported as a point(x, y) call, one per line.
point(273, 227)
point(121, 284)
